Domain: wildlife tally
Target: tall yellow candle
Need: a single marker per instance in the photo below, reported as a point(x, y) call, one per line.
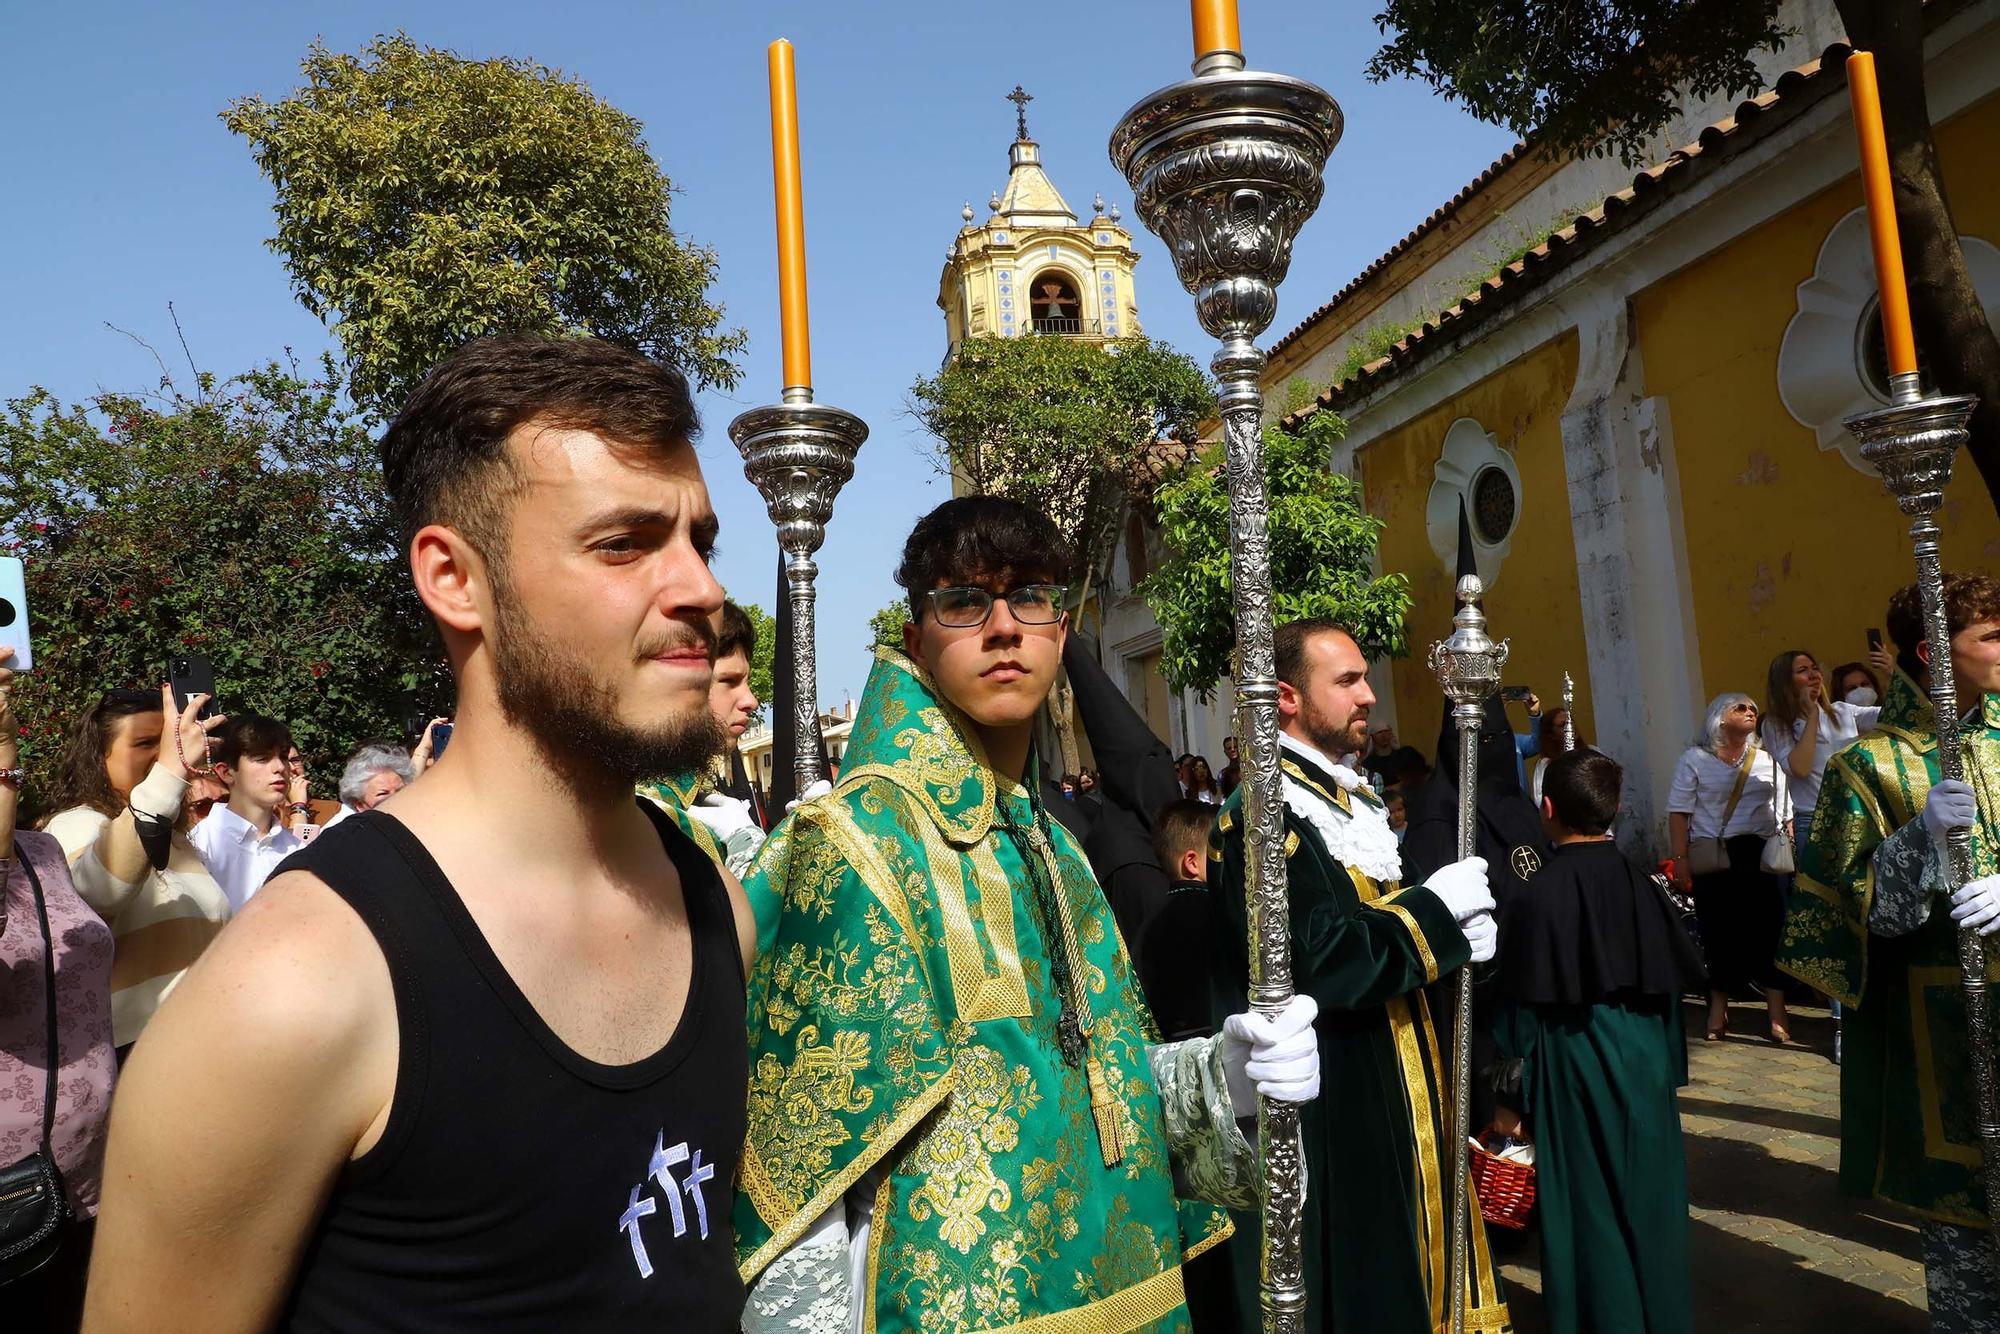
point(1895, 294)
point(791, 218)
point(1215, 26)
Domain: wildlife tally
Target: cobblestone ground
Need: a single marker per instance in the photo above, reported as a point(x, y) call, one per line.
point(1776, 1250)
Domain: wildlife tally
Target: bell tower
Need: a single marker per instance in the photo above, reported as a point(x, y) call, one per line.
point(1032, 268)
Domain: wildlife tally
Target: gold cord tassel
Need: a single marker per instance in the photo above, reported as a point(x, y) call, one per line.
point(1104, 1110)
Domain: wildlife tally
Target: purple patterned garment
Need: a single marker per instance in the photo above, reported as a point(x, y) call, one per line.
point(83, 1002)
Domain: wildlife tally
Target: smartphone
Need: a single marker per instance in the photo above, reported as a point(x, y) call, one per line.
point(440, 738)
point(14, 613)
point(1874, 639)
point(192, 674)
point(1516, 694)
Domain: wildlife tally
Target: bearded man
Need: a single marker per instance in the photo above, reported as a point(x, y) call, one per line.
point(1378, 1152)
point(473, 1060)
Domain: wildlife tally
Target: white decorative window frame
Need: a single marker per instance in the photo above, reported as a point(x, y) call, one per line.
point(1468, 450)
point(1820, 377)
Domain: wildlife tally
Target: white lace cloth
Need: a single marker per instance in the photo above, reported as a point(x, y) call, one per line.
point(1359, 837)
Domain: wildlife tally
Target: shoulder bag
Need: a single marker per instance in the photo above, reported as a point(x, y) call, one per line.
point(1706, 856)
point(1777, 858)
point(33, 1204)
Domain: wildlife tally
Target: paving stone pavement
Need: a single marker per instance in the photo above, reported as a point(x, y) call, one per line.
point(1776, 1250)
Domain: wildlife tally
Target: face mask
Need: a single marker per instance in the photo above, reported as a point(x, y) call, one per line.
point(1862, 697)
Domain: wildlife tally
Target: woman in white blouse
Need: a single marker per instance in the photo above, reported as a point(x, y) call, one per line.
point(1795, 697)
point(1726, 786)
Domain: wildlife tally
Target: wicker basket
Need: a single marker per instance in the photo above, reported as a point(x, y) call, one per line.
point(1505, 1189)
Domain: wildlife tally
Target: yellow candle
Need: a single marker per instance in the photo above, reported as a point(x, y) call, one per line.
point(1867, 100)
point(1215, 26)
point(791, 218)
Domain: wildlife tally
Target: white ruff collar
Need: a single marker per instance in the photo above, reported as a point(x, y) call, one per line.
point(1360, 836)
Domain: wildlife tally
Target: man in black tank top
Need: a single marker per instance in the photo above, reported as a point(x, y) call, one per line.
point(475, 1060)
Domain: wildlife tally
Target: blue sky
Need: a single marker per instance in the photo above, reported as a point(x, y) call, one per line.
point(127, 193)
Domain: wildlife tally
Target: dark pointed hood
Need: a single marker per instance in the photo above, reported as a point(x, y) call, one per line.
point(1135, 770)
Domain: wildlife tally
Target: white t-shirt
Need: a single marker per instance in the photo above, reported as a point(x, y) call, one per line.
point(239, 860)
point(1846, 723)
point(1702, 784)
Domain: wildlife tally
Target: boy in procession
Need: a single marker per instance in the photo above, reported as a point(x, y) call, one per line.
point(960, 1115)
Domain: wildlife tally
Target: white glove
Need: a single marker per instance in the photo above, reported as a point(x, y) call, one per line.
point(1977, 905)
point(724, 815)
point(813, 791)
point(1278, 1058)
point(1463, 888)
point(1483, 934)
point(1950, 805)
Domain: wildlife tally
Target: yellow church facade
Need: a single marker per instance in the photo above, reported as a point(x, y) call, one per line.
point(1642, 414)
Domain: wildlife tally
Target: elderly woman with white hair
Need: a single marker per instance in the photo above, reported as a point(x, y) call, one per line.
point(374, 773)
point(1727, 800)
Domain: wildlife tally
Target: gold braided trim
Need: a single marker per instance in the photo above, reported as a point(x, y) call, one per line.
point(1141, 1304)
point(884, 1198)
point(1203, 1245)
point(697, 832)
point(1291, 843)
point(785, 1233)
point(1430, 1190)
point(1409, 921)
point(1006, 995)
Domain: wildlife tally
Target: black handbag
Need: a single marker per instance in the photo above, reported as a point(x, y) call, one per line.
point(34, 1207)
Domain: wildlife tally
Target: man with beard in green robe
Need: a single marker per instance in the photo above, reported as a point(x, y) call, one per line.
point(1870, 925)
point(960, 1116)
point(1587, 1027)
point(1378, 1150)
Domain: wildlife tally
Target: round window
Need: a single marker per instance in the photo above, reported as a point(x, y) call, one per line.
point(1494, 505)
point(1871, 351)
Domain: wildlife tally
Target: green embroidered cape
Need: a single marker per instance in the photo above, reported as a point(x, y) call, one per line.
point(1908, 1126)
point(903, 1023)
point(1377, 1151)
point(674, 796)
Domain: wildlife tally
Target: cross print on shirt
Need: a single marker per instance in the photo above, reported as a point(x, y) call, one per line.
point(640, 1205)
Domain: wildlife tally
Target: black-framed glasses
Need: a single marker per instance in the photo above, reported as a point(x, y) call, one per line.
point(1030, 604)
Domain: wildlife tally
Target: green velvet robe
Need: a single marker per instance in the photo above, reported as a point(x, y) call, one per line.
point(1907, 1106)
point(903, 1030)
point(1376, 1227)
point(1598, 1088)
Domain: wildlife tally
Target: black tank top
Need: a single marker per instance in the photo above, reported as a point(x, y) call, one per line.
point(518, 1185)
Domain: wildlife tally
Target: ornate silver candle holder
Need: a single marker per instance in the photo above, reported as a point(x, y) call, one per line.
point(798, 454)
point(1225, 167)
point(1912, 443)
point(1468, 666)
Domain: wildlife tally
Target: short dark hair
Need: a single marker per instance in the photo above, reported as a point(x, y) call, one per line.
point(1968, 600)
point(738, 634)
point(254, 735)
point(1181, 827)
point(1584, 786)
point(444, 457)
point(981, 537)
point(1291, 640)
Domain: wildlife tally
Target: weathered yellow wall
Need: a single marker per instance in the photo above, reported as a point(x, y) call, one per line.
point(1789, 546)
point(1533, 602)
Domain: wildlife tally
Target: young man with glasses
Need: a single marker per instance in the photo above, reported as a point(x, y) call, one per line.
point(960, 1113)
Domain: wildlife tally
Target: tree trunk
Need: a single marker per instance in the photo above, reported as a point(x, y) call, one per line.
point(1957, 343)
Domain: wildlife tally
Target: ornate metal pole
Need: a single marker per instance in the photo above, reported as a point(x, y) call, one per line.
point(798, 454)
point(1912, 443)
point(1569, 713)
point(1468, 669)
point(1225, 167)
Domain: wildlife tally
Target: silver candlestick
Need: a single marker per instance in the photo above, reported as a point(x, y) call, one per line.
point(1468, 670)
point(798, 454)
point(1569, 713)
point(1912, 443)
point(1225, 167)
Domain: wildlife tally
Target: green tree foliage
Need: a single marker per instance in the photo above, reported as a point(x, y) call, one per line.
point(1073, 429)
point(1597, 77)
point(1322, 545)
point(1602, 76)
point(425, 199)
point(885, 627)
point(245, 522)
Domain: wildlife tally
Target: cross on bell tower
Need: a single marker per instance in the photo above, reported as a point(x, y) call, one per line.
point(1020, 97)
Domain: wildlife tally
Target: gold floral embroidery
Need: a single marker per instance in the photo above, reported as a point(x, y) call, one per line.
point(797, 1108)
point(953, 1160)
